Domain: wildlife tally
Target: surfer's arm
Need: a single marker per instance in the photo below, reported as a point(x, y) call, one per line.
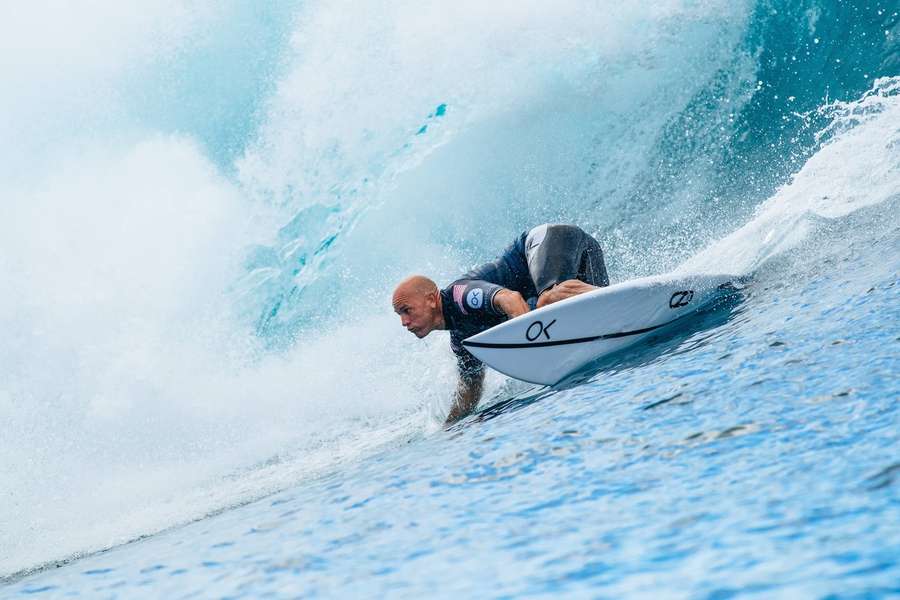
point(510, 302)
point(466, 396)
point(479, 297)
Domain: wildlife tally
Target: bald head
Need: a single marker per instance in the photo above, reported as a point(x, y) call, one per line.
point(416, 285)
point(418, 302)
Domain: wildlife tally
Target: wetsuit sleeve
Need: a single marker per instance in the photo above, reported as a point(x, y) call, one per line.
point(476, 297)
point(468, 364)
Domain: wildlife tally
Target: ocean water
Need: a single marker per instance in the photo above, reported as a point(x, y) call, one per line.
point(205, 207)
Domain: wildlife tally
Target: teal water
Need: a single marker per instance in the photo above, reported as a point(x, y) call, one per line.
point(205, 390)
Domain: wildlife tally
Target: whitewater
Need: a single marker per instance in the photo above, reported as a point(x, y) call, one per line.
point(204, 207)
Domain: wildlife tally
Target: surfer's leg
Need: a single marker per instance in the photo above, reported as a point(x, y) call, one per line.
point(553, 253)
point(592, 268)
point(565, 263)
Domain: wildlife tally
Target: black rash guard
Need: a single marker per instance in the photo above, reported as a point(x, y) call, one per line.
point(468, 302)
point(468, 307)
point(509, 271)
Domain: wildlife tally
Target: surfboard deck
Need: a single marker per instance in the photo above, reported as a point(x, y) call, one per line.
point(548, 344)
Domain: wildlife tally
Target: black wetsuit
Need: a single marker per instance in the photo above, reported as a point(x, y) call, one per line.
point(536, 260)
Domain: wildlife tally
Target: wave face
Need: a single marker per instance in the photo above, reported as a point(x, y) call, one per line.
point(202, 222)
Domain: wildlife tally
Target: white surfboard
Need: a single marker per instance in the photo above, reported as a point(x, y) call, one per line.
point(547, 344)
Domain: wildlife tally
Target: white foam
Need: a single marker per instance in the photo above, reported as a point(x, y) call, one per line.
point(130, 395)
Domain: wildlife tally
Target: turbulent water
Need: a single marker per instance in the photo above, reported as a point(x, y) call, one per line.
point(204, 207)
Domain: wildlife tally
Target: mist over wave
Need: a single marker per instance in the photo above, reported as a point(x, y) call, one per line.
point(197, 243)
point(857, 166)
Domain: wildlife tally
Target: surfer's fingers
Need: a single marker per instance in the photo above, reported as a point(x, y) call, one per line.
point(570, 287)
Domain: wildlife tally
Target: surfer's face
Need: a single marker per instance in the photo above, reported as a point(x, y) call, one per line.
point(416, 313)
point(416, 301)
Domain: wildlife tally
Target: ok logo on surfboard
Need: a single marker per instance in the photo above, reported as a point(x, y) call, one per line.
point(537, 328)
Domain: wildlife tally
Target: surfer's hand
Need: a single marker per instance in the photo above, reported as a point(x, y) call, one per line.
point(561, 291)
point(465, 399)
point(510, 302)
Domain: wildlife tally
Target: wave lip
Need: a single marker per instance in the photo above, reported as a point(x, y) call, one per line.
point(857, 165)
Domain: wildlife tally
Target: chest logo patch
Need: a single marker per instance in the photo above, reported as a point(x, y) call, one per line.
point(475, 298)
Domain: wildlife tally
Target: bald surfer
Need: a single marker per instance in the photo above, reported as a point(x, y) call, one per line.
point(543, 265)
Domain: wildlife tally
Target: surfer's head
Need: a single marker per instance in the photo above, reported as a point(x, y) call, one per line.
point(418, 302)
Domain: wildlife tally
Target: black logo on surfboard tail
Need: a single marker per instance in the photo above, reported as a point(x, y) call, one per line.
point(682, 298)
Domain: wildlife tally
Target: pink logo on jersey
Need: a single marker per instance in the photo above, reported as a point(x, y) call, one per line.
point(458, 291)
